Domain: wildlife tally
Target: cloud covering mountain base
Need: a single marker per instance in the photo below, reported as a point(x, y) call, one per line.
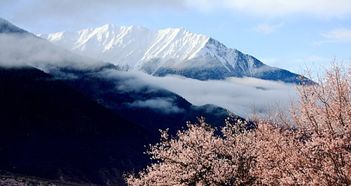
point(242, 96)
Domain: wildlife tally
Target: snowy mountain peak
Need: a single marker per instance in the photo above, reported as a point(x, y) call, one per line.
point(166, 51)
point(131, 45)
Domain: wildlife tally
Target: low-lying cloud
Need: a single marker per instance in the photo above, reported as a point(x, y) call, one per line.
point(28, 50)
point(164, 105)
point(242, 96)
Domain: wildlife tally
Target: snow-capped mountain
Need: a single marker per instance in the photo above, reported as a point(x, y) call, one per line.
point(167, 51)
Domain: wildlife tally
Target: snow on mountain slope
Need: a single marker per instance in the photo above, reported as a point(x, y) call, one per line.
point(130, 45)
point(167, 51)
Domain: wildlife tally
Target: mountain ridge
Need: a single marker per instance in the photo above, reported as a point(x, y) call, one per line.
point(7, 27)
point(167, 51)
point(63, 119)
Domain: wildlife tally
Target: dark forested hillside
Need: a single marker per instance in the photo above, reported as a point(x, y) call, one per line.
point(49, 130)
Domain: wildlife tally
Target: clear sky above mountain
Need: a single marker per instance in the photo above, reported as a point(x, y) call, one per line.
point(290, 34)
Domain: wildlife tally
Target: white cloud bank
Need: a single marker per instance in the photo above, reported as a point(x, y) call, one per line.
point(242, 96)
point(164, 105)
point(28, 50)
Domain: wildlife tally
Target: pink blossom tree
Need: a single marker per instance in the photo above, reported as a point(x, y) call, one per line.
point(197, 156)
point(315, 147)
point(323, 118)
point(311, 148)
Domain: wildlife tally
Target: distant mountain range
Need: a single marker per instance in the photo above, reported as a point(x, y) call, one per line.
point(167, 51)
point(63, 118)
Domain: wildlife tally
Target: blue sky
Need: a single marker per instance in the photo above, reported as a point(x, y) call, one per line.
point(291, 34)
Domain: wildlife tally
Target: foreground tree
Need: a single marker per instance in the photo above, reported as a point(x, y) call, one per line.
point(315, 147)
point(197, 156)
point(311, 148)
point(323, 118)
